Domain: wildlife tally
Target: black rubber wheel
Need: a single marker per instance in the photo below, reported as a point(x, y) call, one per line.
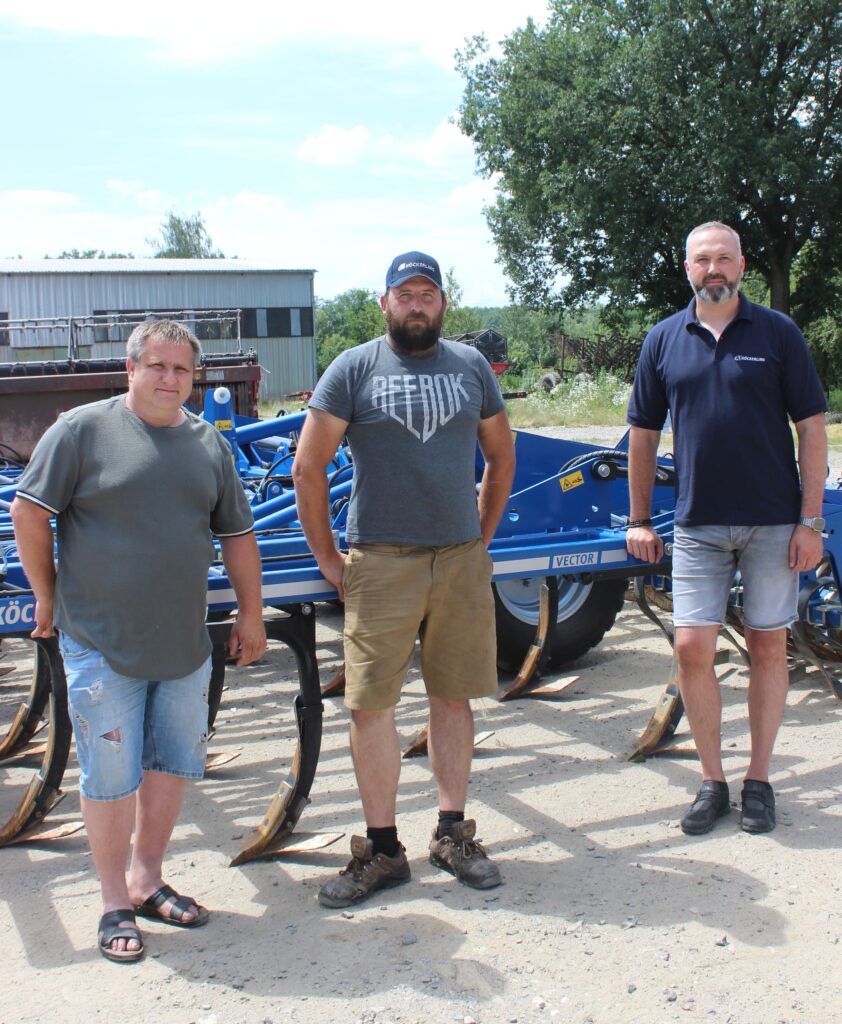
point(586, 611)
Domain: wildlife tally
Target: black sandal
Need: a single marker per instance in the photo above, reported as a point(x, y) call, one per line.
point(180, 905)
point(111, 929)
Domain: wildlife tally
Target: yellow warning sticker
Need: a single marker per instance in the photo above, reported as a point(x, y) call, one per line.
point(223, 424)
point(571, 480)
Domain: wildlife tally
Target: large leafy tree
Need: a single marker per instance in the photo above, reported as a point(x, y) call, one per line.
point(624, 123)
point(184, 238)
point(348, 319)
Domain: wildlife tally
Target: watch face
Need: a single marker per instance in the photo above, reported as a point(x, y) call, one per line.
point(814, 522)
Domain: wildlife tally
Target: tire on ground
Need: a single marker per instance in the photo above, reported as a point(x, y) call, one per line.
point(586, 611)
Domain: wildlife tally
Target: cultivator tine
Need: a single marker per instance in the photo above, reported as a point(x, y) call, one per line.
point(279, 820)
point(298, 631)
point(43, 792)
point(662, 724)
point(217, 676)
point(646, 596)
point(547, 613)
point(218, 759)
point(30, 714)
point(335, 687)
point(47, 835)
point(805, 646)
point(418, 746)
point(743, 653)
point(37, 802)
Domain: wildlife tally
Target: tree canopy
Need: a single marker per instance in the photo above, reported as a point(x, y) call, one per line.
point(458, 318)
point(90, 254)
point(624, 123)
point(184, 238)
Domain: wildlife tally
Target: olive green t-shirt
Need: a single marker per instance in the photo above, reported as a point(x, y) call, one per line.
point(135, 508)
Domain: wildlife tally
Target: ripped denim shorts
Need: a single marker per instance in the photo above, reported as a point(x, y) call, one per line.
point(124, 727)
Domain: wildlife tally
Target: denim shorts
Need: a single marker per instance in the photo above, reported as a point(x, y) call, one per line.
point(124, 727)
point(705, 560)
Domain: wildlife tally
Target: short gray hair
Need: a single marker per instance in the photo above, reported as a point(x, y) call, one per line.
point(164, 330)
point(712, 224)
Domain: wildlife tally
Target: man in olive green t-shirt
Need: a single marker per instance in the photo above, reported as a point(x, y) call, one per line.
point(137, 485)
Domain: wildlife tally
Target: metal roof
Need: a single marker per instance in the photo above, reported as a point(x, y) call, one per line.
point(149, 265)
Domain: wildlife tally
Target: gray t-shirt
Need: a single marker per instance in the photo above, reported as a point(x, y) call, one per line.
point(413, 433)
point(135, 508)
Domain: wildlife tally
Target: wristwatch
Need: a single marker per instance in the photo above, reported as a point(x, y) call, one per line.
point(814, 522)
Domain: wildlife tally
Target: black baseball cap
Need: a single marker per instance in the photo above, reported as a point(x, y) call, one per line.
point(413, 264)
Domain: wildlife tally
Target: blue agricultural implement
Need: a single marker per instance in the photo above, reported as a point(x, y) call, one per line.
point(561, 572)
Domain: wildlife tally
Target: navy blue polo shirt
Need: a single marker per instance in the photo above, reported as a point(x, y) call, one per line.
point(729, 401)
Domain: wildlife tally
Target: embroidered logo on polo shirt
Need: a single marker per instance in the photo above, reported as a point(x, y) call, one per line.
point(749, 359)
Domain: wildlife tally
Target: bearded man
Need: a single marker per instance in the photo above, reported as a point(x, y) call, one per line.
point(731, 374)
point(413, 406)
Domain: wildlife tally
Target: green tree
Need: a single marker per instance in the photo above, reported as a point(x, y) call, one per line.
point(624, 123)
point(328, 348)
point(354, 314)
point(817, 306)
point(90, 254)
point(458, 319)
point(531, 335)
point(184, 238)
point(348, 319)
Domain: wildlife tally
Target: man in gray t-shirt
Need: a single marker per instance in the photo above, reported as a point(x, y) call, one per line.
point(137, 485)
point(413, 406)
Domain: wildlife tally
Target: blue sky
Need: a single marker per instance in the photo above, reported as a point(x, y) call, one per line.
point(313, 137)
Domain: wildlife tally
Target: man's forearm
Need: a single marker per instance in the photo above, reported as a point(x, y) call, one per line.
point(35, 544)
point(311, 500)
point(643, 461)
point(242, 564)
point(812, 464)
point(495, 488)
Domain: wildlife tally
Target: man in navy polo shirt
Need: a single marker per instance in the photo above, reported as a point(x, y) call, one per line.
point(731, 374)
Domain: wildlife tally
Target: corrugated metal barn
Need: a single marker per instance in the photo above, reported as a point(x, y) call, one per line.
point(270, 309)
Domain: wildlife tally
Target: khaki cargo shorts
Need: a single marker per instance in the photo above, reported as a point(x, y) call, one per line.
point(395, 592)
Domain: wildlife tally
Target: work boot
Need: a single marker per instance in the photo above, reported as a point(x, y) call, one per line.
point(711, 803)
point(758, 807)
point(463, 857)
point(366, 873)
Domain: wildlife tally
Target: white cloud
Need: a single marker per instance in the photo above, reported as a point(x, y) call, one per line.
point(151, 200)
point(351, 241)
point(333, 146)
point(348, 240)
point(43, 223)
point(445, 146)
point(21, 201)
point(182, 30)
point(476, 194)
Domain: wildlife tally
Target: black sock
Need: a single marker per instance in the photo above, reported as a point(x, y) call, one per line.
point(385, 840)
point(447, 819)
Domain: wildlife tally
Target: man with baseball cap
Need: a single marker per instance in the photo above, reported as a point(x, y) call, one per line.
point(413, 406)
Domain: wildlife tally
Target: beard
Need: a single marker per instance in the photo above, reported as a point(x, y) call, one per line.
point(416, 333)
point(717, 293)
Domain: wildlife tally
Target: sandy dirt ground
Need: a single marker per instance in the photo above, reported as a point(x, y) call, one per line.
point(608, 912)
